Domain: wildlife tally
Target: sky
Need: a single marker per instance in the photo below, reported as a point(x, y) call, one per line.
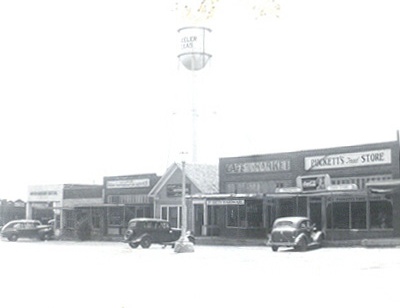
point(94, 88)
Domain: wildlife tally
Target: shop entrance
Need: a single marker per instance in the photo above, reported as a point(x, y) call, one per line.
point(198, 219)
point(316, 211)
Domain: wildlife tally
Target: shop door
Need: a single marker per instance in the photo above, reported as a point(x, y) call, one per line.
point(316, 212)
point(198, 219)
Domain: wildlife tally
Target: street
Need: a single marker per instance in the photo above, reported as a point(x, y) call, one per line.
point(109, 274)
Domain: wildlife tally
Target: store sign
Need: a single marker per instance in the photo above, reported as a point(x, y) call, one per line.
point(225, 202)
point(175, 190)
point(258, 167)
point(313, 182)
point(288, 190)
point(130, 183)
point(44, 193)
point(349, 160)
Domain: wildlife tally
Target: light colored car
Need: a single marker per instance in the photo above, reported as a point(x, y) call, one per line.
point(26, 228)
point(298, 232)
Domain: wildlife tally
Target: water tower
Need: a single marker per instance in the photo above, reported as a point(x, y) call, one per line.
point(194, 57)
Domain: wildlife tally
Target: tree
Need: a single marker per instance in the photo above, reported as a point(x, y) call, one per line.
point(198, 11)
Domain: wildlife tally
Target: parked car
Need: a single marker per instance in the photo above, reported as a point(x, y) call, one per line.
point(297, 232)
point(26, 228)
point(147, 231)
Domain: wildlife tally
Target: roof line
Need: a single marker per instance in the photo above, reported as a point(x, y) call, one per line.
point(164, 178)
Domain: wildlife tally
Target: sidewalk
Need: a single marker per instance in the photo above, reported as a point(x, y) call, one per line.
point(367, 243)
point(228, 241)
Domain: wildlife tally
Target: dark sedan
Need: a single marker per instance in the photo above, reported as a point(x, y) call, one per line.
point(147, 231)
point(26, 228)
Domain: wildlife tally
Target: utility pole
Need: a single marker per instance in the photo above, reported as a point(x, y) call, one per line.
point(183, 244)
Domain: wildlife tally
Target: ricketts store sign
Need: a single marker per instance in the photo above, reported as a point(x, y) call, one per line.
point(348, 160)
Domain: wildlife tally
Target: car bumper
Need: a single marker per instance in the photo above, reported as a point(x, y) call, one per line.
point(285, 244)
point(127, 240)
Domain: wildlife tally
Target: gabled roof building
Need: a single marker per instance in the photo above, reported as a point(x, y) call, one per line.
point(167, 193)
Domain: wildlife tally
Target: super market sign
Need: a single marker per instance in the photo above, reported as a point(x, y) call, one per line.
point(348, 160)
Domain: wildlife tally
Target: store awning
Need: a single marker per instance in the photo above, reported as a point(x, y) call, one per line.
point(384, 187)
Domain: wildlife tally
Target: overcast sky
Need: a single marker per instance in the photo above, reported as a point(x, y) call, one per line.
point(94, 88)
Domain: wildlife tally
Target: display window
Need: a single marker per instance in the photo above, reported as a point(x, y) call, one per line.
point(354, 215)
point(381, 214)
point(173, 214)
point(249, 215)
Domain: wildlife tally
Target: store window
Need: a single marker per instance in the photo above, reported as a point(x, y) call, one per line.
point(358, 215)
point(173, 214)
point(287, 207)
point(302, 207)
point(113, 199)
point(347, 215)
point(381, 215)
point(341, 215)
point(115, 216)
point(232, 215)
point(244, 216)
point(69, 219)
point(254, 215)
point(129, 214)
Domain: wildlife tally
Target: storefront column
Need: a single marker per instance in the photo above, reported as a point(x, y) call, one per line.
point(396, 213)
point(323, 214)
point(205, 219)
point(28, 211)
point(368, 207)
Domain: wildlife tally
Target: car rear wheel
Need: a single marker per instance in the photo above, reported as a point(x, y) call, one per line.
point(145, 242)
point(274, 248)
point(302, 245)
point(13, 238)
point(44, 237)
point(133, 244)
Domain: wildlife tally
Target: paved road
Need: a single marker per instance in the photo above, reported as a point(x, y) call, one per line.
point(92, 274)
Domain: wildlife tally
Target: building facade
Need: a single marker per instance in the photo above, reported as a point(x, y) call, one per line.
point(328, 185)
point(167, 194)
point(127, 197)
point(64, 204)
point(11, 210)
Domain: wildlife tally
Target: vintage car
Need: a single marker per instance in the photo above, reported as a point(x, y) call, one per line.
point(147, 231)
point(26, 228)
point(297, 232)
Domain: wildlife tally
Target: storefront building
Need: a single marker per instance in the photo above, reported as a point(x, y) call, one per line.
point(127, 197)
point(331, 186)
point(60, 202)
point(167, 194)
point(10, 210)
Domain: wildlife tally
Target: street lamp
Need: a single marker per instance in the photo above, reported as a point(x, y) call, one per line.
point(183, 244)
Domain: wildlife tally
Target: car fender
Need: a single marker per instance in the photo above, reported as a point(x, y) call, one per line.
point(318, 237)
point(300, 237)
point(139, 238)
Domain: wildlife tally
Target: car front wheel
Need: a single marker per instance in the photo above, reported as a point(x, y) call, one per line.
point(274, 248)
point(133, 245)
point(146, 242)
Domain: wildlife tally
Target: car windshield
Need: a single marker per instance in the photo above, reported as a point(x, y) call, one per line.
point(133, 224)
point(284, 223)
